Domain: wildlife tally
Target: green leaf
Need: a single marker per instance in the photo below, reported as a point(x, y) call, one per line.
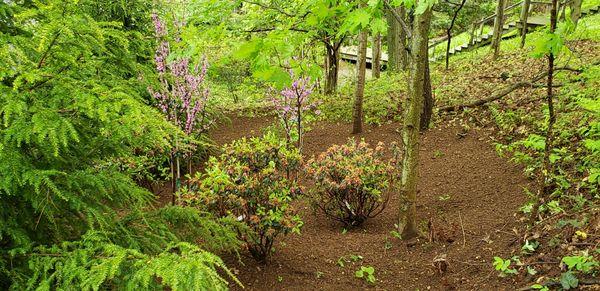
point(424, 5)
point(359, 274)
point(536, 142)
point(568, 280)
point(357, 20)
point(549, 43)
point(553, 158)
point(592, 145)
point(248, 50)
point(379, 25)
point(539, 287)
point(594, 175)
point(373, 3)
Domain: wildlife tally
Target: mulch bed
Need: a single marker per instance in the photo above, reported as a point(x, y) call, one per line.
point(466, 204)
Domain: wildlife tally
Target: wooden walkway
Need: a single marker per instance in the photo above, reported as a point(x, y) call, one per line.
point(349, 54)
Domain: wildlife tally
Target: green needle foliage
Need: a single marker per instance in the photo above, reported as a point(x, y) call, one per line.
point(95, 262)
point(72, 110)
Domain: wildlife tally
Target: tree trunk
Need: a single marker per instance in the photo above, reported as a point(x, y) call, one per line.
point(576, 11)
point(376, 56)
point(498, 28)
point(332, 64)
point(449, 32)
point(403, 42)
point(361, 67)
point(546, 179)
point(410, 132)
point(173, 180)
point(396, 40)
point(428, 101)
point(524, 19)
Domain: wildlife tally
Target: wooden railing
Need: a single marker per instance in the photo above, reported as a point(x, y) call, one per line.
point(477, 29)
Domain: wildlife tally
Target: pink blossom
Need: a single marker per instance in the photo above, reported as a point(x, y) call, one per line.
point(182, 96)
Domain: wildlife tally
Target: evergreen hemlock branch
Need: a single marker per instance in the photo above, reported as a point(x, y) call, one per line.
point(71, 108)
point(95, 263)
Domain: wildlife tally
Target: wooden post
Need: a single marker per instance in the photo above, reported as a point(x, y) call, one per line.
point(481, 26)
point(575, 11)
point(472, 40)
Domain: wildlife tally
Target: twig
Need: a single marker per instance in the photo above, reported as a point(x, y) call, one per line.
point(472, 263)
point(268, 7)
point(45, 54)
point(561, 214)
point(463, 229)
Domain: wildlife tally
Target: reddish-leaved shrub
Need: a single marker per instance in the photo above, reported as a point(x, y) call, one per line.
point(248, 182)
point(352, 182)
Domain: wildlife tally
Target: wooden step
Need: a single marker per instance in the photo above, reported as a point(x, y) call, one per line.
point(536, 20)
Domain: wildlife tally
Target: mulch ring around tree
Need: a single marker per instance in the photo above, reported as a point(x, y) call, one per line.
point(466, 204)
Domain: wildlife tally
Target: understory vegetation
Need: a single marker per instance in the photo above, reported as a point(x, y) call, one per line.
point(352, 182)
point(116, 171)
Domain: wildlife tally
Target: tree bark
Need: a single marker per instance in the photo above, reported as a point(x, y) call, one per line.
point(376, 56)
point(410, 132)
point(361, 67)
point(428, 101)
point(524, 19)
point(402, 42)
point(576, 11)
point(396, 40)
point(498, 28)
point(332, 64)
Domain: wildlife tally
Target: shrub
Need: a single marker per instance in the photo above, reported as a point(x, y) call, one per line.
point(352, 182)
point(291, 105)
point(248, 181)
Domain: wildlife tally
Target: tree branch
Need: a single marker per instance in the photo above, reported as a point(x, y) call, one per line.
point(45, 54)
point(60, 71)
point(398, 18)
point(505, 91)
point(268, 7)
point(274, 28)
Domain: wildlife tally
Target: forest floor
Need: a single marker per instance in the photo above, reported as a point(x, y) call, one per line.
point(466, 204)
point(468, 196)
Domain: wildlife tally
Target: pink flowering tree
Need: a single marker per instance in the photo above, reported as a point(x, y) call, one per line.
point(181, 96)
point(291, 104)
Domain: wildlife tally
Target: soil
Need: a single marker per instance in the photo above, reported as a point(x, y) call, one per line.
point(466, 207)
